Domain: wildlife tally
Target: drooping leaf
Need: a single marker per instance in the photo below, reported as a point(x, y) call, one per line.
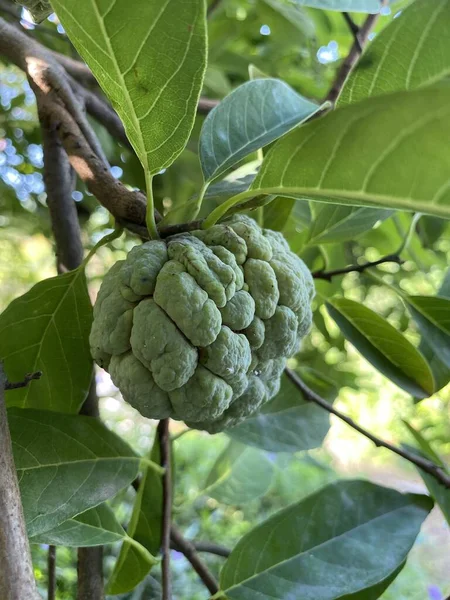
point(95, 527)
point(66, 465)
point(383, 346)
point(252, 116)
point(239, 475)
point(147, 55)
point(349, 537)
point(432, 315)
point(333, 223)
point(288, 423)
point(47, 329)
point(407, 135)
point(409, 53)
point(365, 6)
point(440, 494)
point(294, 17)
point(133, 565)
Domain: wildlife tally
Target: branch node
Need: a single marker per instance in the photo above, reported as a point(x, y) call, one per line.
point(26, 380)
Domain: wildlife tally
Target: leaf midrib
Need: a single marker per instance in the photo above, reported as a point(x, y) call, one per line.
point(66, 463)
point(323, 544)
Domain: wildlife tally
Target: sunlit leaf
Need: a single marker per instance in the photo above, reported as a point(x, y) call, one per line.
point(383, 346)
point(148, 55)
point(349, 537)
point(36, 333)
point(66, 464)
point(432, 315)
point(252, 116)
point(407, 135)
point(409, 53)
point(365, 6)
point(95, 527)
point(239, 475)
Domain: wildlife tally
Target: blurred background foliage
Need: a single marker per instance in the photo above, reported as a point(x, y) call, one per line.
point(304, 47)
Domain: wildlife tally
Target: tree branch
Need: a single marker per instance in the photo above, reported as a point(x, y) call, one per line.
point(426, 465)
point(361, 36)
point(164, 442)
point(16, 569)
point(51, 573)
point(189, 550)
point(20, 384)
point(328, 275)
point(210, 548)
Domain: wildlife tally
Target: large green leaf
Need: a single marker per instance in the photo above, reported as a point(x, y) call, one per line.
point(404, 164)
point(47, 329)
point(66, 465)
point(333, 223)
point(348, 537)
point(252, 116)
point(239, 475)
point(432, 315)
point(149, 56)
point(411, 52)
point(288, 423)
point(440, 494)
point(366, 6)
point(383, 346)
point(132, 565)
point(95, 527)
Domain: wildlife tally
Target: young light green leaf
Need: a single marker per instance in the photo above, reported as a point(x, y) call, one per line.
point(47, 329)
point(149, 56)
point(252, 116)
point(95, 527)
point(411, 52)
point(288, 423)
point(333, 223)
point(66, 465)
point(407, 135)
point(347, 538)
point(440, 494)
point(364, 6)
point(383, 346)
point(239, 475)
point(432, 315)
point(132, 565)
point(294, 15)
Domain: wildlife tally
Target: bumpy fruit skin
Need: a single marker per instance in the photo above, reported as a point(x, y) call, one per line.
point(199, 327)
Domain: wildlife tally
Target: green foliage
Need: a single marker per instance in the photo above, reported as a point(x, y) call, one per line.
point(36, 334)
point(347, 550)
point(66, 465)
point(382, 345)
point(119, 44)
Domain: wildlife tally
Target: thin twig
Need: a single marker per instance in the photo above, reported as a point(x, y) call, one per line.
point(328, 275)
point(211, 548)
point(20, 384)
point(353, 28)
point(164, 442)
point(51, 573)
point(188, 549)
point(212, 7)
point(426, 465)
point(360, 41)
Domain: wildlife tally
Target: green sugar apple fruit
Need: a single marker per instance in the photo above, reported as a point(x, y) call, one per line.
point(198, 327)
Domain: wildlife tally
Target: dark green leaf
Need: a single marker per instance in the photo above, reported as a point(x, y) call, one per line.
point(432, 315)
point(383, 346)
point(288, 423)
point(147, 55)
point(132, 565)
point(440, 494)
point(239, 475)
point(252, 116)
point(95, 527)
point(47, 329)
point(66, 465)
point(347, 538)
point(411, 52)
point(334, 223)
point(407, 135)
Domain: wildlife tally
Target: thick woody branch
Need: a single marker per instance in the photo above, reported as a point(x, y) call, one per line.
point(190, 552)
point(426, 465)
point(16, 570)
